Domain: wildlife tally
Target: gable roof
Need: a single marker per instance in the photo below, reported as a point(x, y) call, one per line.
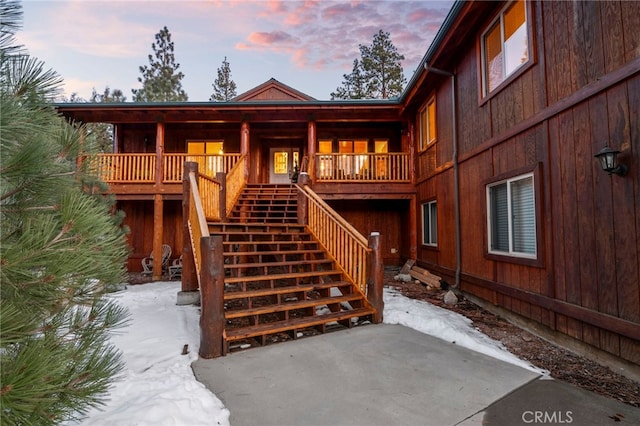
point(272, 90)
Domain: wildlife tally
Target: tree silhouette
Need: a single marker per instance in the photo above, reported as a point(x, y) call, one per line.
point(224, 88)
point(378, 74)
point(161, 81)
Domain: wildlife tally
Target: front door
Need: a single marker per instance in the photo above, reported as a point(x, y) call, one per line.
point(282, 163)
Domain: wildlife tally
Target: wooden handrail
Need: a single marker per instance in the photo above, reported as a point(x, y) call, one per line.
point(342, 241)
point(198, 227)
point(364, 167)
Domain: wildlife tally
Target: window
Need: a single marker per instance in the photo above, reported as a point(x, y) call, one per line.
point(428, 124)
point(505, 46)
point(205, 147)
point(430, 224)
point(512, 217)
point(326, 161)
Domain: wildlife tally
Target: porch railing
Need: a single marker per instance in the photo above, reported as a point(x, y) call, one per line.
point(368, 167)
point(343, 242)
point(235, 183)
point(140, 167)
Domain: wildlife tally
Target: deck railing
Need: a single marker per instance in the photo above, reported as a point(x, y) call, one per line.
point(236, 181)
point(343, 242)
point(140, 168)
point(209, 189)
point(124, 168)
point(368, 167)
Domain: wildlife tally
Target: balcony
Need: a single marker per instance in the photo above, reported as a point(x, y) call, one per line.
point(361, 168)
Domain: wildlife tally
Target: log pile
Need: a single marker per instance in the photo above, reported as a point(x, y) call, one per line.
point(430, 280)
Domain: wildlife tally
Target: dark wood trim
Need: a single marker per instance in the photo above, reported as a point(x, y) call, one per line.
point(589, 316)
point(597, 319)
point(577, 97)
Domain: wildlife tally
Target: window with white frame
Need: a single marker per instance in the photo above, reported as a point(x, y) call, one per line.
point(505, 45)
point(427, 117)
point(512, 217)
point(430, 224)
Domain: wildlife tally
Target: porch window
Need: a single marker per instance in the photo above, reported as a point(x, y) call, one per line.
point(325, 146)
point(430, 224)
point(505, 46)
point(427, 118)
point(512, 217)
point(205, 147)
point(353, 164)
point(208, 155)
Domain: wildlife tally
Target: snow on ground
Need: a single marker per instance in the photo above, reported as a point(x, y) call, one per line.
point(158, 385)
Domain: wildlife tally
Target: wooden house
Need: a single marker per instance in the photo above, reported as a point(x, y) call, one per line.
point(483, 171)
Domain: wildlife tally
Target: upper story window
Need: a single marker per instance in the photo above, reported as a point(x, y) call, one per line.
point(505, 46)
point(512, 217)
point(427, 118)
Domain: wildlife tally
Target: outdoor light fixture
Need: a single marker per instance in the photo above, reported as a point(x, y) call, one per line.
point(608, 160)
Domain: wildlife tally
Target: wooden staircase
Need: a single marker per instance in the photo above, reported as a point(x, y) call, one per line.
point(279, 282)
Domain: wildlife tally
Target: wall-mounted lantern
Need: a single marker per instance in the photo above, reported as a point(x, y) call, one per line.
point(608, 160)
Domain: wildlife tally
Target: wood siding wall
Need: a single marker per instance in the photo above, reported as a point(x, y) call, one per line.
point(581, 91)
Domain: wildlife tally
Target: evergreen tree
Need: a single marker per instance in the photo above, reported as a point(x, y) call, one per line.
point(224, 88)
point(353, 86)
point(60, 251)
point(103, 132)
point(379, 73)
point(161, 81)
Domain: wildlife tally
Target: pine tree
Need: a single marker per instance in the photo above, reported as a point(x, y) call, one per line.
point(60, 251)
point(161, 81)
point(379, 72)
point(224, 88)
point(353, 86)
point(103, 132)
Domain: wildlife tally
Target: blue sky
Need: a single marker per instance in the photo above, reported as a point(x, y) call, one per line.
point(307, 45)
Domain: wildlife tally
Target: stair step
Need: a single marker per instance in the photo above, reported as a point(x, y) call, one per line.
point(272, 252)
point(255, 227)
point(272, 277)
point(285, 263)
point(232, 295)
point(290, 306)
point(234, 334)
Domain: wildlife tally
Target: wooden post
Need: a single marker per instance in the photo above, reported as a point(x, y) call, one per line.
point(189, 273)
point(311, 149)
point(375, 277)
point(245, 149)
point(158, 206)
point(222, 178)
point(303, 204)
point(212, 341)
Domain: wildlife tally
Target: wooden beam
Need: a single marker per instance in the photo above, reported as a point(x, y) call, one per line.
point(157, 237)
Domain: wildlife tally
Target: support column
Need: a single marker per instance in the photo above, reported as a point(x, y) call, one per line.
point(212, 343)
point(222, 178)
point(413, 228)
point(158, 205)
point(311, 149)
point(189, 272)
point(375, 277)
point(245, 148)
point(303, 203)
point(158, 216)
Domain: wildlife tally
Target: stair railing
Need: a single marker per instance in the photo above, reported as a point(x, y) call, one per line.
point(345, 244)
point(235, 183)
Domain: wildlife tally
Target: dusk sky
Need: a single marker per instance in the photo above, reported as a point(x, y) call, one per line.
point(307, 45)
